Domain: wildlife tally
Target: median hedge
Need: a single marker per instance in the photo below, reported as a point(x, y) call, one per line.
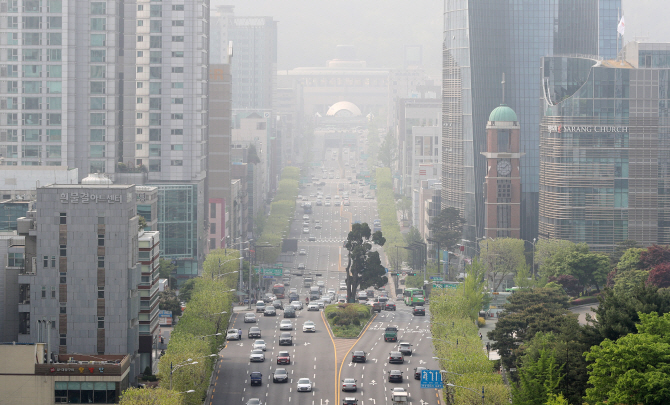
point(347, 320)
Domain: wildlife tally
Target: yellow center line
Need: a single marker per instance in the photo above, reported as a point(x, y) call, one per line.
point(339, 374)
point(332, 339)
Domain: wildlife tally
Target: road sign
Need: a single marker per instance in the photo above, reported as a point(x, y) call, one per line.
point(431, 379)
point(271, 272)
point(268, 276)
point(436, 278)
point(373, 186)
point(446, 285)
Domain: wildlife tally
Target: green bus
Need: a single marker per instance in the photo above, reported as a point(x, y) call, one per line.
point(413, 296)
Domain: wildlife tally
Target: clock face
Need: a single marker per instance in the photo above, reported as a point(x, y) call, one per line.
point(504, 168)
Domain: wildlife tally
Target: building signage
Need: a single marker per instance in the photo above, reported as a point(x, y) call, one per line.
point(586, 128)
point(84, 198)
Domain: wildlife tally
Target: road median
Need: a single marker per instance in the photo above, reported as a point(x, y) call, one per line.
point(347, 321)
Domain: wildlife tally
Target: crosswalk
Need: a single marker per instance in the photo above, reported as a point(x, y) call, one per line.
point(327, 240)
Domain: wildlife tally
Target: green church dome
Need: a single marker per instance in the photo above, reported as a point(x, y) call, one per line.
point(503, 113)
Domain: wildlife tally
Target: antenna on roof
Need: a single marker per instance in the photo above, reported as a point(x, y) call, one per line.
point(503, 88)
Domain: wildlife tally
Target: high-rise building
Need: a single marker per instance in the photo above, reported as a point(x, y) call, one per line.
point(604, 148)
point(482, 40)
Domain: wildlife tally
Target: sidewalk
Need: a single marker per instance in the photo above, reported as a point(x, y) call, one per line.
point(165, 332)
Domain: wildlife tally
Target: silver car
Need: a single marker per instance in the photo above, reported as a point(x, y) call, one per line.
point(249, 318)
point(304, 385)
point(257, 355)
point(286, 325)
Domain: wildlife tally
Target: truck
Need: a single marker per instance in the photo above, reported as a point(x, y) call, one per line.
point(399, 396)
point(391, 334)
point(307, 282)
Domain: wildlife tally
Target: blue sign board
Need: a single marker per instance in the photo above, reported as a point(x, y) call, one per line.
point(431, 379)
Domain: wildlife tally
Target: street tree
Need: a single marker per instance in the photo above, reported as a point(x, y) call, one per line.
point(660, 275)
point(634, 369)
point(545, 249)
point(404, 204)
point(153, 396)
point(166, 269)
point(410, 238)
point(447, 227)
point(474, 287)
point(503, 257)
point(387, 151)
point(655, 255)
point(539, 377)
point(364, 268)
point(168, 301)
point(620, 249)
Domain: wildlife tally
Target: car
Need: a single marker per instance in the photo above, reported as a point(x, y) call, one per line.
point(405, 348)
point(321, 304)
point(301, 266)
point(270, 311)
point(260, 344)
point(260, 306)
point(358, 356)
point(331, 291)
point(302, 252)
point(268, 298)
point(304, 385)
point(283, 357)
point(256, 378)
point(377, 306)
point(343, 286)
point(305, 223)
point(319, 203)
point(326, 299)
point(313, 307)
point(257, 355)
point(293, 290)
point(350, 401)
point(293, 297)
point(312, 239)
point(285, 325)
point(297, 305)
point(280, 375)
point(254, 332)
point(419, 311)
point(349, 384)
point(305, 217)
point(395, 376)
point(277, 304)
point(234, 334)
point(337, 203)
point(305, 230)
point(289, 312)
point(396, 358)
point(254, 401)
point(390, 306)
point(417, 372)
point(320, 283)
point(327, 203)
point(317, 226)
point(285, 339)
point(249, 318)
point(346, 203)
point(309, 326)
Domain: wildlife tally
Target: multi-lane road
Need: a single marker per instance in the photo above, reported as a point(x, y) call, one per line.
point(319, 356)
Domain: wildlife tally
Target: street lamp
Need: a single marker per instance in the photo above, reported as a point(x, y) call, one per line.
point(466, 388)
point(450, 372)
point(187, 362)
point(187, 392)
point(444, 340)
point(204, 336)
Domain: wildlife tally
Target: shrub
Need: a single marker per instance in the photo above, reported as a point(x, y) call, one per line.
point(481, 321)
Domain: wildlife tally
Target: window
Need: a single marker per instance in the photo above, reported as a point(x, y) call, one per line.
point(32, 70)
point(177, 116)
point(31, 118)
point(156, 26)
point(154, 165)
point(139, 116)
point(53, 135)
point(63, 308)
point(97, 151)
point(44, 292)
point(54, 38)
point(140, 54)
point(140, 8)
point(45, 261)
point(15, 260)
point(32, 38)
point(54, 6)
point(12, 135)
point(30, 151)
point(53, 292)
point(212, 210)
point(154, 134)
point(154, 118)
point(155, 73)
point(54, 55)
point(63, 248)
point(178, 54)
point(53, 261)
point(13, 6)
point(98, 87)
point(54, 87)
point(53, 151)
point(54, 23)
point(32, 103)
point(154, 103)
point(145, 255)
point(140, 23)
point(98, 135)
point(12, 22)
point(212, 228)
point(54, 71)
point(101, 322)
point(155, 57)
point(177, 147)
point(31, 135)
point(12, 38)
point(177, 131)
point(140, 38)
point(62, 340)
point(98, 72)
point(140, 85)
point(98, 55)
point(178, 100)
point(10, 103)
point(12, 119)
point(176, 162)
point(140, 69)
point(31, 23)
point(12, 87)
point(154, 150)
point(12, 71)
point(178, 69)
point(138, 146)
point(155, 87)
point(101, 261)
point(63, 221)
point(178, 7)
point(97, 166)
point(140, 100)
point(156, 10)
point(32, 6)
point(177, 23)
point(98, 24)
point(97, 118)
point(54, 119)
point(31, 55)
point(12, 54)
point(155, 42)
point(98, 39)
point(139, 131)
point(177, 85)
point(98, 7)
point(98, 103)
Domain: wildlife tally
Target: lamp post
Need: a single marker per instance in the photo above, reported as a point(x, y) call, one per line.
point(187, 362)
point(259, 273)
point(437, 242)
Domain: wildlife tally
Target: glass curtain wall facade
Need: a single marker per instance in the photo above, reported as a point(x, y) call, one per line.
point(605, 151)
point(482, 40)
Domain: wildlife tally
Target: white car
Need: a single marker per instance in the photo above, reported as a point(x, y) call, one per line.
point(297, 305)
point(304, 384)
point(313, 307)
point(320, 283)
point(257, 355)
point(286, 325)
point(321, 304)
point(260, 344)
point(331, 291)
point(249, 318)
point(305, 230)
point(236, 334)
point(326, 299)
point(302, 252)
point(343, 286)
point(327, 203)
point(308, 326)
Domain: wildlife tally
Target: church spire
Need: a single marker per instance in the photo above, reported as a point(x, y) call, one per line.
point(503, 88)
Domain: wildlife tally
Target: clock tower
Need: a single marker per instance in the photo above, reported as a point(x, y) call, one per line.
point(502, 188)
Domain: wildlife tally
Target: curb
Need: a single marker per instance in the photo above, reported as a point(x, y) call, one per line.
point(358, 336)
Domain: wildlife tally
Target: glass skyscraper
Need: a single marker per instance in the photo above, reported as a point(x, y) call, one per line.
point(482, 40)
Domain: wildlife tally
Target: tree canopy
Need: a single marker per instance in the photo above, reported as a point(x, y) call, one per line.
point(503, 257)
point(150, 396)
point(364, 266)
point(447, 227)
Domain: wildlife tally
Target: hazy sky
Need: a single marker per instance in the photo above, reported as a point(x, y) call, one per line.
point(309, 30)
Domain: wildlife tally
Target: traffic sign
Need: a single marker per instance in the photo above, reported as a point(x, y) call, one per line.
point(271, 272)
point(431, 379)
point(446, 285)
point(436, 278)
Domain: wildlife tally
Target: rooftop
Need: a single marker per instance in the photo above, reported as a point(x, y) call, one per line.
point(503, 113)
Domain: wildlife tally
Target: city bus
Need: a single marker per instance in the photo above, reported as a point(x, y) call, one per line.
point(413, 296)
point(278, 291)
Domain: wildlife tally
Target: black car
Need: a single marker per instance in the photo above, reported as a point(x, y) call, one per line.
point(396, 357)
point(254, 332)
point(280, 375)
point(269, 311)
point(417, 372)
point(395, 376)
point(419, 311)
point(289, 312)
point(256, 378)
point(278, 304)
point(286, 339)
point(358, 357)
point(390, 306)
